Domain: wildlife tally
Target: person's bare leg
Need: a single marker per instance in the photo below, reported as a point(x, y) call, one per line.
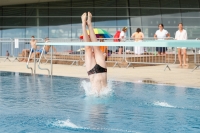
point(120, 50)
point(23, 54)
point(24, 51)
point(184, 57)
point(99, 57)
point(33, 54)
point(179, 56)
point(105, 56)
point(37, 55)
point(89, 57)
point(26, 55)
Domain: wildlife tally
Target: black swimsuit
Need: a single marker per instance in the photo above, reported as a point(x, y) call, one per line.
point(97, 69)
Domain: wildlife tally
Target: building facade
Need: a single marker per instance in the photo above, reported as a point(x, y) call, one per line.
point(61, 18)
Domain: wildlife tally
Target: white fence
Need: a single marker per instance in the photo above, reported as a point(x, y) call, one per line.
point(196, 57)
point(15, 46)
point(74, 54)
point(149, 55)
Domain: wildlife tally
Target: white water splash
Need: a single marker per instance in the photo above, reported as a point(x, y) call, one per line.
point(68, 124)
point(163, 104)
point(89, 92)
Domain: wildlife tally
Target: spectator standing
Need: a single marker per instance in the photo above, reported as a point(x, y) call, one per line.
point(7, 53)
point(138, 37)
point(161, 34)
point(122, 38)
point(181, 34)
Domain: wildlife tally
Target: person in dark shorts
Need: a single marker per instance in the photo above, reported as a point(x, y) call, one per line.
point(161, 34)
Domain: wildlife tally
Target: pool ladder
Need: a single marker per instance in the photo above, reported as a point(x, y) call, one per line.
point(40, 61)
point(27, 63)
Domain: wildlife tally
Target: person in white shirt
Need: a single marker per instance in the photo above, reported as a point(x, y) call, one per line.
point(181, 34)
point(161, 34)
point(122, 38)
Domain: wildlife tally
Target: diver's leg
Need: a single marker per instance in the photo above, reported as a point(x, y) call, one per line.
point(85, 34)
point(99, 57)
point(89, 57)
point(89, 23)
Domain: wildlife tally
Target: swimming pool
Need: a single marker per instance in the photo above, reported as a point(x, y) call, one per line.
point(31, 104)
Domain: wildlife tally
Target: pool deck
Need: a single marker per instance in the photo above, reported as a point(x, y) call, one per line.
point(178, 76)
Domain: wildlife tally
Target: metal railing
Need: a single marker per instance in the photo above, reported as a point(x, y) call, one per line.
point(73, 52)
point(111, 55)
point(64, 53)
point(24, 44)
point(43, 50)
point(27, 63)
point(197, 57)
point(6, 46)
point(150, 55)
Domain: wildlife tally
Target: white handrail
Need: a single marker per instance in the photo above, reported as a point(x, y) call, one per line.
point(27, 63)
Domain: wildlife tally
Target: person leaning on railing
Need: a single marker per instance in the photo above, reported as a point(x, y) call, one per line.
point(161, 34)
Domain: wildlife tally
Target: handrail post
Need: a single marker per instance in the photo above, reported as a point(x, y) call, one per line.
point(27, 63)
point(51, 60)
point(40, 61)
point(34, 62)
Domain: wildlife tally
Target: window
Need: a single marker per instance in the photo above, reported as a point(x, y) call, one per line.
point(191, 21)
point(0, 20)
point(150, 17)
point(149, 3)
point(190, 13)
point(189, 3)
point(171, 21)
point(170, 3)
point(14, 19)
point(134, 3)
point(171, 13)
point(122, 13)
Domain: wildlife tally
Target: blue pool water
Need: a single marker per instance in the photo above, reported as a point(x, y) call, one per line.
point(31, 104)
